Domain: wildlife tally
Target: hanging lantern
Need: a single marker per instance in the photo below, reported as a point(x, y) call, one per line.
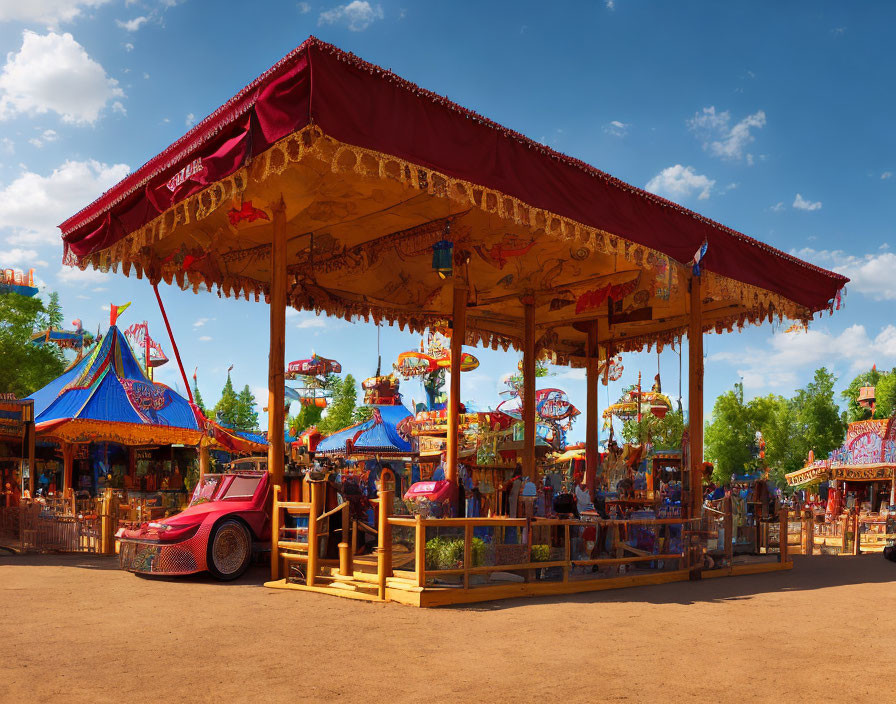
point(443, 258)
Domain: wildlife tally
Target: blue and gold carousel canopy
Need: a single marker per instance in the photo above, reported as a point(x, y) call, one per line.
point(107, 396)
point(380, 434)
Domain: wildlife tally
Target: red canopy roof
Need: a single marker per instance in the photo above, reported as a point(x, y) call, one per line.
point(366, 106)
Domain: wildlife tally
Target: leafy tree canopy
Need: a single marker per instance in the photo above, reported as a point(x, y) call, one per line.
point(25, 367)
point(885, 388)
point(790, 428)
point(342, 407)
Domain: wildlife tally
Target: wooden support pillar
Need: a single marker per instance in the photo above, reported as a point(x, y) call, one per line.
point(458, 333)
point(68, 454)
point(204, 460)
point(277, 354)
point(317, 501)
point(275, 535)
point(695, 395)
point(591, 385)
point(529, 388)
point(32, 433)
point(384, 531)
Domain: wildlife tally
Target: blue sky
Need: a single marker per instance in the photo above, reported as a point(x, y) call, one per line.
point(773, 118)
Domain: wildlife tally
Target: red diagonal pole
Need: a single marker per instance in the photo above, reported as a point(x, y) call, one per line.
point(155, 287)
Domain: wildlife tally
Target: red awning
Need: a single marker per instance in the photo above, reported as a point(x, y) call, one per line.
point(363, 105)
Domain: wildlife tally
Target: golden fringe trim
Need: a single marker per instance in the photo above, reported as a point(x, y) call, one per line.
point(80, 431)
point(311, 142)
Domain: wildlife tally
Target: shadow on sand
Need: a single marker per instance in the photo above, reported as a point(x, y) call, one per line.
point(808, 573)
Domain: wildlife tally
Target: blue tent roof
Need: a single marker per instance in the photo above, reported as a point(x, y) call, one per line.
point(110, 385)
point(378, 434)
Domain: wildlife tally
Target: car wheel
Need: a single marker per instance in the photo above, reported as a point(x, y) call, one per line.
point(229, 550)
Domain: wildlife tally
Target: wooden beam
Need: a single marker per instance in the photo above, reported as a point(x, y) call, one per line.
point(529, 388)
point(203, 460)
point(458, 333)
point(591, 385)
point(277, 354)
point(67, 465)
point(695, 395)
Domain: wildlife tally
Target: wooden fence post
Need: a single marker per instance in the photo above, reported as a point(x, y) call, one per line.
point(844, 529)
point(275, 535)
point(856, 546)
point(311, 567)
point(729, 530)
point(782, 537)
point(420, 550)
point(468, 553)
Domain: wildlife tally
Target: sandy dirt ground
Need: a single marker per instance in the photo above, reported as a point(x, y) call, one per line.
point(77, 629)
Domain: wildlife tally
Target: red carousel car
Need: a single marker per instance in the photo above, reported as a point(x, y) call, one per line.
point(228, 515)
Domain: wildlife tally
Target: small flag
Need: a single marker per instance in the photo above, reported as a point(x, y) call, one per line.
point(229, 369)
point(115, 311)
point(195, 371)
point(698, 257)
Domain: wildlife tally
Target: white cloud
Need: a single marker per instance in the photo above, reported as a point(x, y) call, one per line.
point(885, 175)
point(801, 203)
point(48, 13)
point(616, 128)
point(677, 182)
point(871, 274)
point(32, 206)
point(132, 25)
point(73, 276)
point(790, 354)
point(723, 139)
point(190, 119)
point(21, 258)
point(358, 15)
point(778, 207)
point(205, 338)
point(45, 138)
point(128, 46)
point(54, 73)
point(200, 322)
point(304, 8)
point(316, 322)
point(610, 4)
point(7, 146)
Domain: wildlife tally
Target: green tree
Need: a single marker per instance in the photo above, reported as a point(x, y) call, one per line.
point(247, 416)
point(361, 414)
point(339, 413)
point(730, 437)
point(25, 367)
point(663, 433)
point(885, 389)
point(54, 316)
point(197, 397)
point(307, 416)
point(227, 407)
point(790, 428)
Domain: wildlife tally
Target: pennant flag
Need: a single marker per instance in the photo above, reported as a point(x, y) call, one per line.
point(195, 372)
point(115, 311)
point(698, 257)
point(229, 369)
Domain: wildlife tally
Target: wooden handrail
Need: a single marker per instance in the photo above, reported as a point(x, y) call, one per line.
point(333, 511)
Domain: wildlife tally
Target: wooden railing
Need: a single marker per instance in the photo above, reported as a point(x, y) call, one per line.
point(560, 531)
point(64, 525)
point(308, 551)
